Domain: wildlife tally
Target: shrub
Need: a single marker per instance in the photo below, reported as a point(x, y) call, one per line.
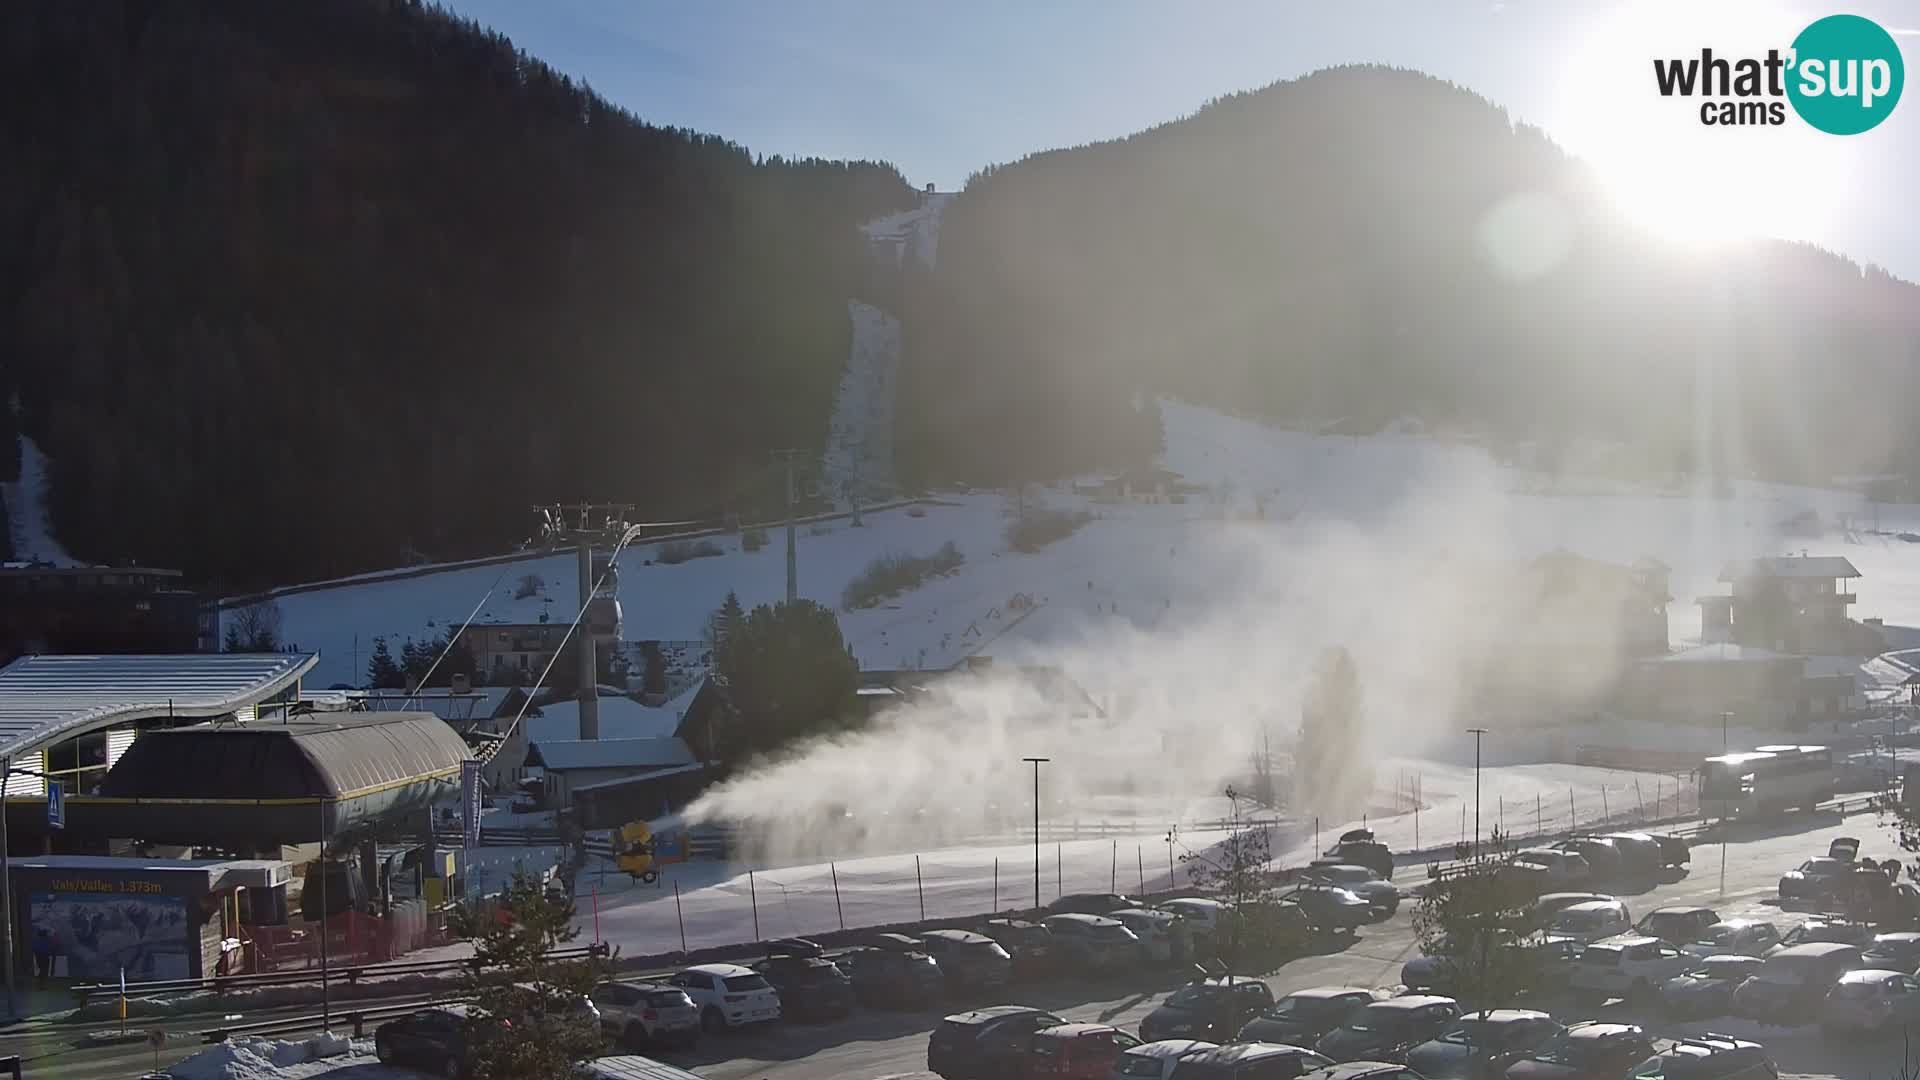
point(890, 575)
point(529, 585)
point(675, 552)
point(753, 539)
point(1042, 527)
point(819, 528)
point(916, 511)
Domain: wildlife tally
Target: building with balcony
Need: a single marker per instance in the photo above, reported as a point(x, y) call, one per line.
point(1791, 604)
point(97, 610)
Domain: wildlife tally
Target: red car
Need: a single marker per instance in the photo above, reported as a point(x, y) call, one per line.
point(1077, 1051)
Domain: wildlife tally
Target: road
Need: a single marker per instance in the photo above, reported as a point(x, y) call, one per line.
point(886, 1044)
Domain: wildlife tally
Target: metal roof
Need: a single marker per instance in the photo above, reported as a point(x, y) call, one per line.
point(338, 755)
point(563, 755)
point(45, 698)
point(1791, 566)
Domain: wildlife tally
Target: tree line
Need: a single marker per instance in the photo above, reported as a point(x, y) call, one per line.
point(1364, 244)
point(292, 290)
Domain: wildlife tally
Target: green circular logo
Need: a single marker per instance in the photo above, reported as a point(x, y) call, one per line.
point(1846, 74)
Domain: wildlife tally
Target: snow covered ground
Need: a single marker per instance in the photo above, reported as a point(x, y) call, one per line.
point(858, 463)
point(27, 523)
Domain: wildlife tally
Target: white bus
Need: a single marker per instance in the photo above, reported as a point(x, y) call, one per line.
point(1766, 780)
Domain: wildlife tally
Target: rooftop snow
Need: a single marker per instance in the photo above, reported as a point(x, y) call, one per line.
point(563, 755)
point(620, 718)
point(1791, 566)
point(1724, 653)
point(43, 698)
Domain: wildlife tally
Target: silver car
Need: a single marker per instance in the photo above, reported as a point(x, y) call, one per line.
point(1707, 988)
point(1381, 895)
point(1872, 1001)
point(1743, 937)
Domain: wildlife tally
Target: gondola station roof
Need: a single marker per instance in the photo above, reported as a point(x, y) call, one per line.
point(44, 699)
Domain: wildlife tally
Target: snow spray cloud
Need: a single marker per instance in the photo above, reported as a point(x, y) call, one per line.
point(1179, 707)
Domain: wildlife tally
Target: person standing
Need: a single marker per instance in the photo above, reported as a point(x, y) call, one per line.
point(42, 956)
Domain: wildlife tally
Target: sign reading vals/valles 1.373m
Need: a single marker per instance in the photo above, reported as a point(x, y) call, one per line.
point(470, 802)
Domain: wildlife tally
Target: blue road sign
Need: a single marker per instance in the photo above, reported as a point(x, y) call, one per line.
point(56, 806)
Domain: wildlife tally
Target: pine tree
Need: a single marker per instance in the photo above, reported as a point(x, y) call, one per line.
point(653, 680)
point(543, 1036)
point(382, 672)
point(721, 627)
point(786, 675)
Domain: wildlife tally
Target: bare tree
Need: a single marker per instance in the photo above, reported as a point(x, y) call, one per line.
point(254, 627)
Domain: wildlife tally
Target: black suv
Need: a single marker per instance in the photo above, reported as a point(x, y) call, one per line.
point(985, 1043)
point(1030, 943)
point(810, 986)
point(1213, 1009)
point(1709, 1057)
point(1359, 848)
point(969, 961)
point(885, 977)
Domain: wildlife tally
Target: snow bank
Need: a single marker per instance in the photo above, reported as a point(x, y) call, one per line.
point(275, 1059)
point(27, 522)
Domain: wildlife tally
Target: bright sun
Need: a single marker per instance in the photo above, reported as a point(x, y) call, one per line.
point(1691, 183)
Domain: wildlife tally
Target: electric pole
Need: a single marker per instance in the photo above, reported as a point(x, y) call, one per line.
point(589, 662)
point(793, 562)
point(1037, 762)
point(1476, 732)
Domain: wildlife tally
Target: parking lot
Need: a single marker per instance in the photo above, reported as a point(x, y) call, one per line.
point(880, 1044)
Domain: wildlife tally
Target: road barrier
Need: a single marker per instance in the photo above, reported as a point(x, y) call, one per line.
point(348, 975)
point(356, 1019)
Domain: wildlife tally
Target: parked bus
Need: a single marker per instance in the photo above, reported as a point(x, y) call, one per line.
point(1766, 780)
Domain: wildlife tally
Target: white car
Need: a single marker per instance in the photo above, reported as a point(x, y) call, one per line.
point(1156, 1060)
point(1590, 922)
point(1627, 966)
point(1163, 935)
point(1560, 869)
point(1203, 918)
point(640, 1014)
point(728, 995)
point(1741, 937)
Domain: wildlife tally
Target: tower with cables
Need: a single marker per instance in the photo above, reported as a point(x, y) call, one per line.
point(582, 525)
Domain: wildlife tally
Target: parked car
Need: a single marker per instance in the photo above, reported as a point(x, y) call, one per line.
point(1589, 1050)
point(1360, 847)
point(1077, 1051)
point(1203, 916)
point(1428, 974)
point(728, 996)
point(1330, 907)
point(1814, 879)
point(631, 1067)
point(1482, 1044)
point(985, 1044)
point(640, 1014)
point(1826, 928)
point(1591, 921)
point(1709, 1057)
point(889, 978)
point(810, 987)
point(1091, 903)
point(1898, 951)
point(1363, 1070)
point(1249, 1061)
point(1844, 848)
point(968, 961)
point(433, 1039)
point(1871, 1001)
point(1744, 937)
point(1382, 895)
point(1628, 966)
point(1030, 944)
point(1303, 1016)
point(1092, 943)
point(1678, 925)
point(1213, 1008)
point(1675, 851)
point(1164, 937)
point(1706, 988)
point(1640, 854)
point(1386, 1030)
point(1156, 1060)
point(1562, 869)
point(1548, 905)
point(1603, 857)
point(1793, 982)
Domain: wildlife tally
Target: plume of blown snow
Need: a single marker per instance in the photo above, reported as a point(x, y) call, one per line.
point(1180, 707)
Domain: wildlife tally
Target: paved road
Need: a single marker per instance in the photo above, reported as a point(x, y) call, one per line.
point(885, 1044)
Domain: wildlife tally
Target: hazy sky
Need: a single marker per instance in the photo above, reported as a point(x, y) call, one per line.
point(942, 90)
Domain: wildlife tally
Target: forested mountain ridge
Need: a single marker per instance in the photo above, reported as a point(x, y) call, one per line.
point(1367, 243)
point(286, 289)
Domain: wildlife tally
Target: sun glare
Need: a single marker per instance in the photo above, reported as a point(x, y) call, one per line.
point(1691, 183)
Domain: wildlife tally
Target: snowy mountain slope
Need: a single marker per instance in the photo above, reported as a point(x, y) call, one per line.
point(27, 523)
point(1393, 499)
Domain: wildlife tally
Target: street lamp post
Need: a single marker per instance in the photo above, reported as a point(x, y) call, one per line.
point(1476, 732)
point(1724, 718)
point(1036, 762)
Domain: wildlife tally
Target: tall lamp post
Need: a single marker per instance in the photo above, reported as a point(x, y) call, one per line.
point(1476, 732)
point(1725, 717)
point(1036, 762)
